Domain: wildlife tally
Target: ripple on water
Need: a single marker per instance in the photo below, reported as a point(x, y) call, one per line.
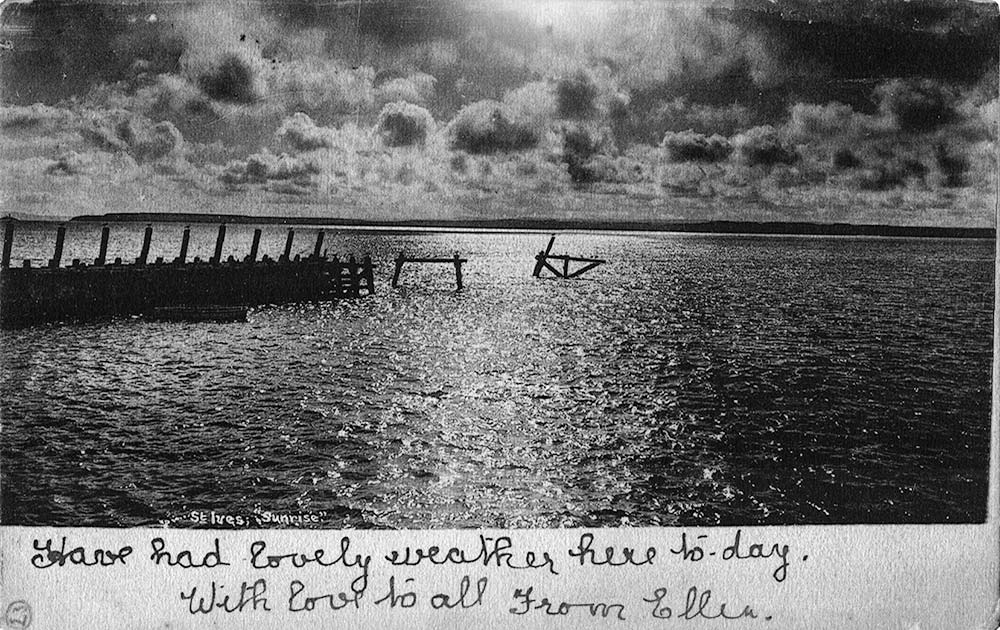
point(694, 380)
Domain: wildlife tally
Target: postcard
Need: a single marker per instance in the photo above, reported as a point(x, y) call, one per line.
point(523, 313)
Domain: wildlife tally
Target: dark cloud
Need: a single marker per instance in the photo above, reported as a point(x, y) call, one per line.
point(761, 146)
point(404, 124)
point(953, 165)
point(576, 95)
point(128, 133)
point(491, 126)
point(231, 80)
point(917, 105)
point(688, 146)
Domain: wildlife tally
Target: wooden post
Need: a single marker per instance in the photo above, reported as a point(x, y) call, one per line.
point(338, 272)
point(288, 245)
point(565, 273)
point(102, 254)
point(219, 240)
point(319, 244)
point(8, 241)
point(255, 245)
point(369, 273)
point(57, 255)
point(458, 271)
point(540, 258)
point(185, 240)
point(147, 237)
point(399, 268)
point(352, 271)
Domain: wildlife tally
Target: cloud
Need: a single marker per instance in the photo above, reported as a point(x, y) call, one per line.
point(687, 146)
point(264, 166)
point(232, 79)
point(648, 125)
point(404, 124)
point(489, 126)
point(92, 163)
point(417, 88)
point(138, 136)
point(37, 118)
point(917, 105)
point(811, 122)
point(761, 146)
point(303, 135)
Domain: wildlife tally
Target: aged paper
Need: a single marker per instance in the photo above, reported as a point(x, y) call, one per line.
point(533, 313)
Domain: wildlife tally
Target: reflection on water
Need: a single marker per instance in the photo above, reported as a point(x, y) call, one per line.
point(692, 380)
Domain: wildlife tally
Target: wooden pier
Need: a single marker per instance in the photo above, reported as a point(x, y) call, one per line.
point(543, 258)
point(86, 291)
point(402, 259)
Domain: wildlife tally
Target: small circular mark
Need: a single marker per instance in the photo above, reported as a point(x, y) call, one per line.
point(805, 557)
point(18, 615)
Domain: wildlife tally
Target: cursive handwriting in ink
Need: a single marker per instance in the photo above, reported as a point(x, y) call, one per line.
point(660, 610)
point(184, 559)
point(260, 560)
point(491, 552)
point(756, 550)
point(335, 601)
point(464, 599)
point(528, 603)
point(697, 606)
point(51, 556)
point(611, 556)
point(250, 596)
point(694, 552)
point(405, 599)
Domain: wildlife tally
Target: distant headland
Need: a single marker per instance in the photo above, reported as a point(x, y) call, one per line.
point(707, 227)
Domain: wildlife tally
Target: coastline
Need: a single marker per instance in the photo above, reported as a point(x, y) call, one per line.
point(789, 228)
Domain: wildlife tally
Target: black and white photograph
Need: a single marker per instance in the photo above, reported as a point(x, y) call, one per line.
point(511, 264)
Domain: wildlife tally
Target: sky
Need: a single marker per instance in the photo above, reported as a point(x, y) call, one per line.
point(862, 110)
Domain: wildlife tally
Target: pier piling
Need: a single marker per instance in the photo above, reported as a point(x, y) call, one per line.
point(255, 245)
point(288, 245)
point(57, 255)
point(338, 280)
point(8, 241)
point(455, 260)
point(82, 291)
point(147, 238)
point(185, 240)
point(543, 258)
point(400, 259)
point(368, 270)
point(102, 254)
point(352, 273)
point(319, 244)
point(219, 240)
